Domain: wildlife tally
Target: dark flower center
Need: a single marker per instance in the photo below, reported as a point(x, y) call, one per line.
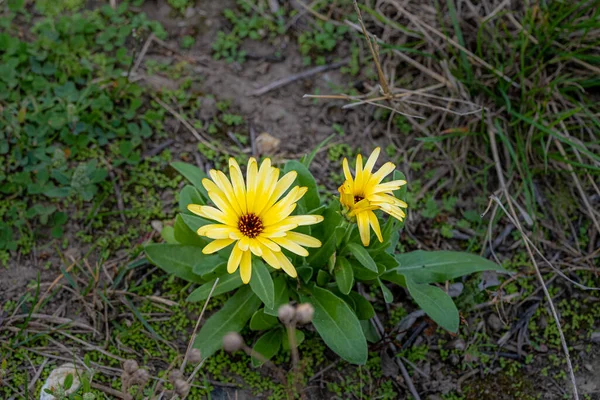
point(250, 225)
point(357, 199)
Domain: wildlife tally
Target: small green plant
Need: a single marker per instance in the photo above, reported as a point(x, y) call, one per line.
point(314, 44)
point(258, 219)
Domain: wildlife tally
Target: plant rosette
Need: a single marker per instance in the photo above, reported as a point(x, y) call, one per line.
point(271, 238)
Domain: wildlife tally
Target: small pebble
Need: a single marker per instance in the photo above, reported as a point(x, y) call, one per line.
point(494, 323)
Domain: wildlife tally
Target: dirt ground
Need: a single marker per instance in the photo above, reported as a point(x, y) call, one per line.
point(300, 124)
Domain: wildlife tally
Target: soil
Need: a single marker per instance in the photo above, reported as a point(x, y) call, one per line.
point(300, 124)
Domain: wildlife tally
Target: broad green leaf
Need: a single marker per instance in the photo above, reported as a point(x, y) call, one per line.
point(361, 273)
point(175, 259)
point(226, 284)
point(305, 273)
point(184, 235)
point(395, 277)
point(261, 321)
point(168, 235)
point(338, 325)
point(267, 345)
point(194, 222)
point(388, 261)
point(189, 195)
point(388, 297)
point(281, 295)
point(322, 277)
point(231, 318)
point(363, 256)
point(436, 303)
point(262, 283)
point(370, 332)
point(440, 266)
point(344, 275)
point(192, 174)
point(285, 339)
point(208, 264)
point(219, 272)
point(311, 199)
point(319, 257)
point(364, 309)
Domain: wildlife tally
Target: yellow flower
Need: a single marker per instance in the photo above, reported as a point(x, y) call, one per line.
point(252, 216)
point(365, 193)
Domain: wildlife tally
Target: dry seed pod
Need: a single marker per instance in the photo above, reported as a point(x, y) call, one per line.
point(141, 376)
point(286, 313)
point(182, 388)
point(130, 366)
point(232, 342)
point(195, 357)
point(175, 375)
point(304, 313)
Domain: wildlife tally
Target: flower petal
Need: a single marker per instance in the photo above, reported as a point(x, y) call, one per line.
point(270, 257)
point(291, 246)
point(347, 172)
point(251, 183)
point(216, 231)
point(372, 160)
point(237, 181)
point(374, 222)
point(362, 219)
point(216, 245)
point(255, 247)
point(212, 213)
point(234, 259)
point(303, 240)
point(246, 266)
point(286, 265)
point(302, 220)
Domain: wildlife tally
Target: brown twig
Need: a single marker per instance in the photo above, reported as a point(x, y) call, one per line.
point(293, 78)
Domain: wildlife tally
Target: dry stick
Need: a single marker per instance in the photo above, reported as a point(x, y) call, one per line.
point(409, 60)
point(374, 52)
point(193, 338)
point(145, 48)
point(292, 78)
point(187, 125)
point(405, 375)
point(54, 283)
point(500, 173)
point(313, 12)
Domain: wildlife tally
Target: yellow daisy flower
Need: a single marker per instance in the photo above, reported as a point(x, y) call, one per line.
point(365, 193)
point(252, 216)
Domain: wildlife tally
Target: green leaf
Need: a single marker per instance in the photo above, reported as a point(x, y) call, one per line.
point(305, 273)
point(267, 345)
point(370, 332)
point(285, 339)
point(226, 284)
point(311, 199)
point(436, 303)
point(184, 235)
point(192, 174)
point(338, 325)
point(322, 277)
point(189, 195)
point(363, 256)
point(281, 295)
point(395, 277)
point(344, 275)
point(308, 159)
point(261, 321)
point(231, 318)
point(318, 257)
point(175, 259)
point(168, 235)
point(364, 309)
point(208, 264)
point(440, 266)
point(262, 283)
point(194, 222)
point(361, 273)
point(68, 382)
point(388, 297)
